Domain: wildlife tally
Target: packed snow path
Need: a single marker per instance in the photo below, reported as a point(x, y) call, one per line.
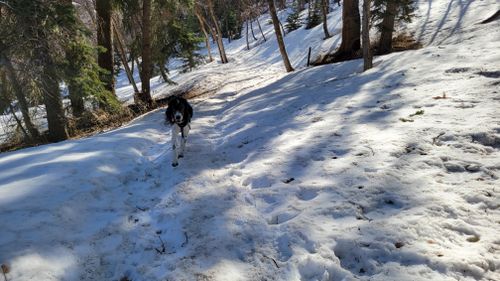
point(323, 174)
point(314, 177)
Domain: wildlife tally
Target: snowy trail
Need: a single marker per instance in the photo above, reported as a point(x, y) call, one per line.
point(326, 173)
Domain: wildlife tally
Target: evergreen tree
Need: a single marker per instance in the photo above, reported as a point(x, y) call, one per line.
point(314, 16)
point(105, 59)
point(51, 46)
point(294, 20)
point(385, 14)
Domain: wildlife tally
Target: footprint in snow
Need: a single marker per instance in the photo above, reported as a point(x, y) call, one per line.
point(283, 217)
point(307, 194)
point(259, 182)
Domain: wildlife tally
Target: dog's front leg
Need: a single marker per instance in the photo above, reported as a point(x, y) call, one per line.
point(175, 155)
point(185, 133)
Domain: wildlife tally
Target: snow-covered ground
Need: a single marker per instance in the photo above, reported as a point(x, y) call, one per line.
point(327, 173)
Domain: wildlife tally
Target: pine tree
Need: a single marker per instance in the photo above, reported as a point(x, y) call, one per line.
point(104, 39)
point(55, 49)
point(385, 14)
point(294, 20)
point(314, 17)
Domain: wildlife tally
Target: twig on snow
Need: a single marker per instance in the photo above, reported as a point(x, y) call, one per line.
point(186, 241)
point(361, 211)
point(5, 270)
point(434, 139)
point(274, 261)
point(161, 250)
point(373, 152)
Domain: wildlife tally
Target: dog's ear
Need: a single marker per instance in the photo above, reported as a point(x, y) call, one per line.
point(169, 116)
point(169, 99)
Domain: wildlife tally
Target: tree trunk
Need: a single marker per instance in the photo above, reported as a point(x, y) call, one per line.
point(281, 4)
point(146, 66)
point(260, 28)
point(56, 118)
point(164, 75)
point(279, 37)
point(351, 31)
point(385, 44)
point(54, 107)
point(204, 30)
point(220, 43)
point(248, 44)
point(123, 57)
point(21, 99)
point(251, 28)
point(367, 53)
point(74, 92)
point(104, 39)
point(77, 103)
point(325, 5)
point(132, 61)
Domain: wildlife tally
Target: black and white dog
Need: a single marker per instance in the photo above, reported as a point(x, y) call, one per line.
point(179, 114)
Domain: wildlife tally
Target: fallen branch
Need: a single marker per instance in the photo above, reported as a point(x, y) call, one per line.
point(274, 261)
point(162, 250)
point(434, 139)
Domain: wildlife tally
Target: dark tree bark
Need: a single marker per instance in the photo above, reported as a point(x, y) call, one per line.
point(251, 28)
point(385, 44)
point(21, 99)
point(246, 37)
point(367, 53)
point(351, 30)
point(146, 66)
point(75, 94)
point(220, 43)
point(279, 37)
point(123, 57)
point(260, 28)
point(204, 30)
point(54, 107)
point(77, 103)
point(281, 4)
point(164, 73)
point(132, 61)
point(324, 10)
point(105, 40)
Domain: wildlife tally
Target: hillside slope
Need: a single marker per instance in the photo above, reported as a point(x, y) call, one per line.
point(327, 173)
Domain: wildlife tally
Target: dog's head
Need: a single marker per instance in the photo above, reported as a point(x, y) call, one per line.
point(176, 111)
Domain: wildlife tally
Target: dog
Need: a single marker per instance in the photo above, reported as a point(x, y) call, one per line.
point(179, 114)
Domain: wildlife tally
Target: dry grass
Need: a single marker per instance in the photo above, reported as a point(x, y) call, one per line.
point(404, 42)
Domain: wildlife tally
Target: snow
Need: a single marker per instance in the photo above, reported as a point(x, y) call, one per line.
point(311, 175)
